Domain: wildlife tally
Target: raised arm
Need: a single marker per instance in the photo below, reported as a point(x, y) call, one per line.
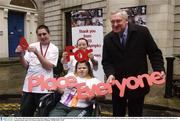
point(45, 63)
point(21, 57)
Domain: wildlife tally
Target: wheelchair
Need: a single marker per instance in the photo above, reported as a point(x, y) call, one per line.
point(49, 101)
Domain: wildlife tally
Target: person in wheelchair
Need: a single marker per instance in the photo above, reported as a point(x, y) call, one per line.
point(69, 105)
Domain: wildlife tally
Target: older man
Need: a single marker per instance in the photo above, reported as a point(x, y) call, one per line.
point(125, 52)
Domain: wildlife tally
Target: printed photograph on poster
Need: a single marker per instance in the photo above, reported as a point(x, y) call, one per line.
point(91, 17)
point(88, 24)
point(137, 14)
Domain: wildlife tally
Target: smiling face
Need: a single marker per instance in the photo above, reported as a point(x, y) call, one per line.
point(118, 22)
point(82, 44)
point(43, 36)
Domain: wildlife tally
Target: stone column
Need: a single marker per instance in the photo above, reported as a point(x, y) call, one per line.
point(4, 52)
point(33, 24)
point(30, 27)
point(27, 27)
point(1, 32)
point(176, 49)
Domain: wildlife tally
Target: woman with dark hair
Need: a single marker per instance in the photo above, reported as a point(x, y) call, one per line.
point(69, 105)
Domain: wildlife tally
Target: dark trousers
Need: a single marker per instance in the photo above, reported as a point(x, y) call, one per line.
point(61, 110)
point(29, 103)
point(121, 104)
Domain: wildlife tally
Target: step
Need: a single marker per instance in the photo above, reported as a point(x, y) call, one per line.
point(8, 61)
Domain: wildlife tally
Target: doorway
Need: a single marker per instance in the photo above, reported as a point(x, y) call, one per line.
point(15, 30)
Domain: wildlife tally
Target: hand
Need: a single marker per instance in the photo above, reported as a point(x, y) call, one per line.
point(163, 75)
point(110, 78)
point(53, 89)
point(20, 50)
point(33, 49)
point(91, 56)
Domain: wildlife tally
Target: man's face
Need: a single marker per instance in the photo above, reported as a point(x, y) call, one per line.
point(118, 23)
point(43, 36)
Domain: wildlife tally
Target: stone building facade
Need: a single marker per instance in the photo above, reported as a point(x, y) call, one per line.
point(18, 18)
point(163, 20)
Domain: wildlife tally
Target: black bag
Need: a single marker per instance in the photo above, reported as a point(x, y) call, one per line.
point(58, 69)
point(47, 103)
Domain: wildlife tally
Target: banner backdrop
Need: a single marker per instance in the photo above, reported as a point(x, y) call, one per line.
point(137, 14)
point(89, 24)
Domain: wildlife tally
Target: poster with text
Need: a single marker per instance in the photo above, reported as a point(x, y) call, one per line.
point(88, 24)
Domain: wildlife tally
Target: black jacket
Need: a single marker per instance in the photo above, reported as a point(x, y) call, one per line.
point(131, 60)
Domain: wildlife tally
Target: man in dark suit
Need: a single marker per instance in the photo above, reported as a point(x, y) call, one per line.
point(125, 52)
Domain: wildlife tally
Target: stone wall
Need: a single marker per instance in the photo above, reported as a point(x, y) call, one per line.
point(40, 9)
point(160, 21)
point(163, 18)
point(177, 37)
point(53, 19)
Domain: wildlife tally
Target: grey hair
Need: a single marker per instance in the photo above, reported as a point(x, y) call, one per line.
point(121, 12)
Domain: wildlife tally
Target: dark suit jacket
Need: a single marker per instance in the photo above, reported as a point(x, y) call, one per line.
point(131, 60)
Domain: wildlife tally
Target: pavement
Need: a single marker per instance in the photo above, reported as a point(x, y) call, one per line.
point(156, 104)
point(12, 75)
point(157, 97)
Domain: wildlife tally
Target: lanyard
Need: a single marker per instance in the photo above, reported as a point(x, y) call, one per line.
point(71, 97)
point(45, 50)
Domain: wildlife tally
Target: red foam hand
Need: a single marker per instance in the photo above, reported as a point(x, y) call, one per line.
point(23, 43)
point(69, 49)
point(80, 55)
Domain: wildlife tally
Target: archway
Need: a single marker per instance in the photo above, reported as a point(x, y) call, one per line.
point(24, 3)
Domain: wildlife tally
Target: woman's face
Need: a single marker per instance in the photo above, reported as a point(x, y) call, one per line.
point(82, 45)
point(82, 70)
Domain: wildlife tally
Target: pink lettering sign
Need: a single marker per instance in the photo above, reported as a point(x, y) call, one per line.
point(83, 91)
point(79, 55)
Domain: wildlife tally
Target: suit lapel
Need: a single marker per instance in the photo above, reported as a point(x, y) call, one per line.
point(131, 30)
point(116, 40)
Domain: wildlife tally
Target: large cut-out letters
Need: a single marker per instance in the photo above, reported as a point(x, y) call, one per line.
point(83, 91)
